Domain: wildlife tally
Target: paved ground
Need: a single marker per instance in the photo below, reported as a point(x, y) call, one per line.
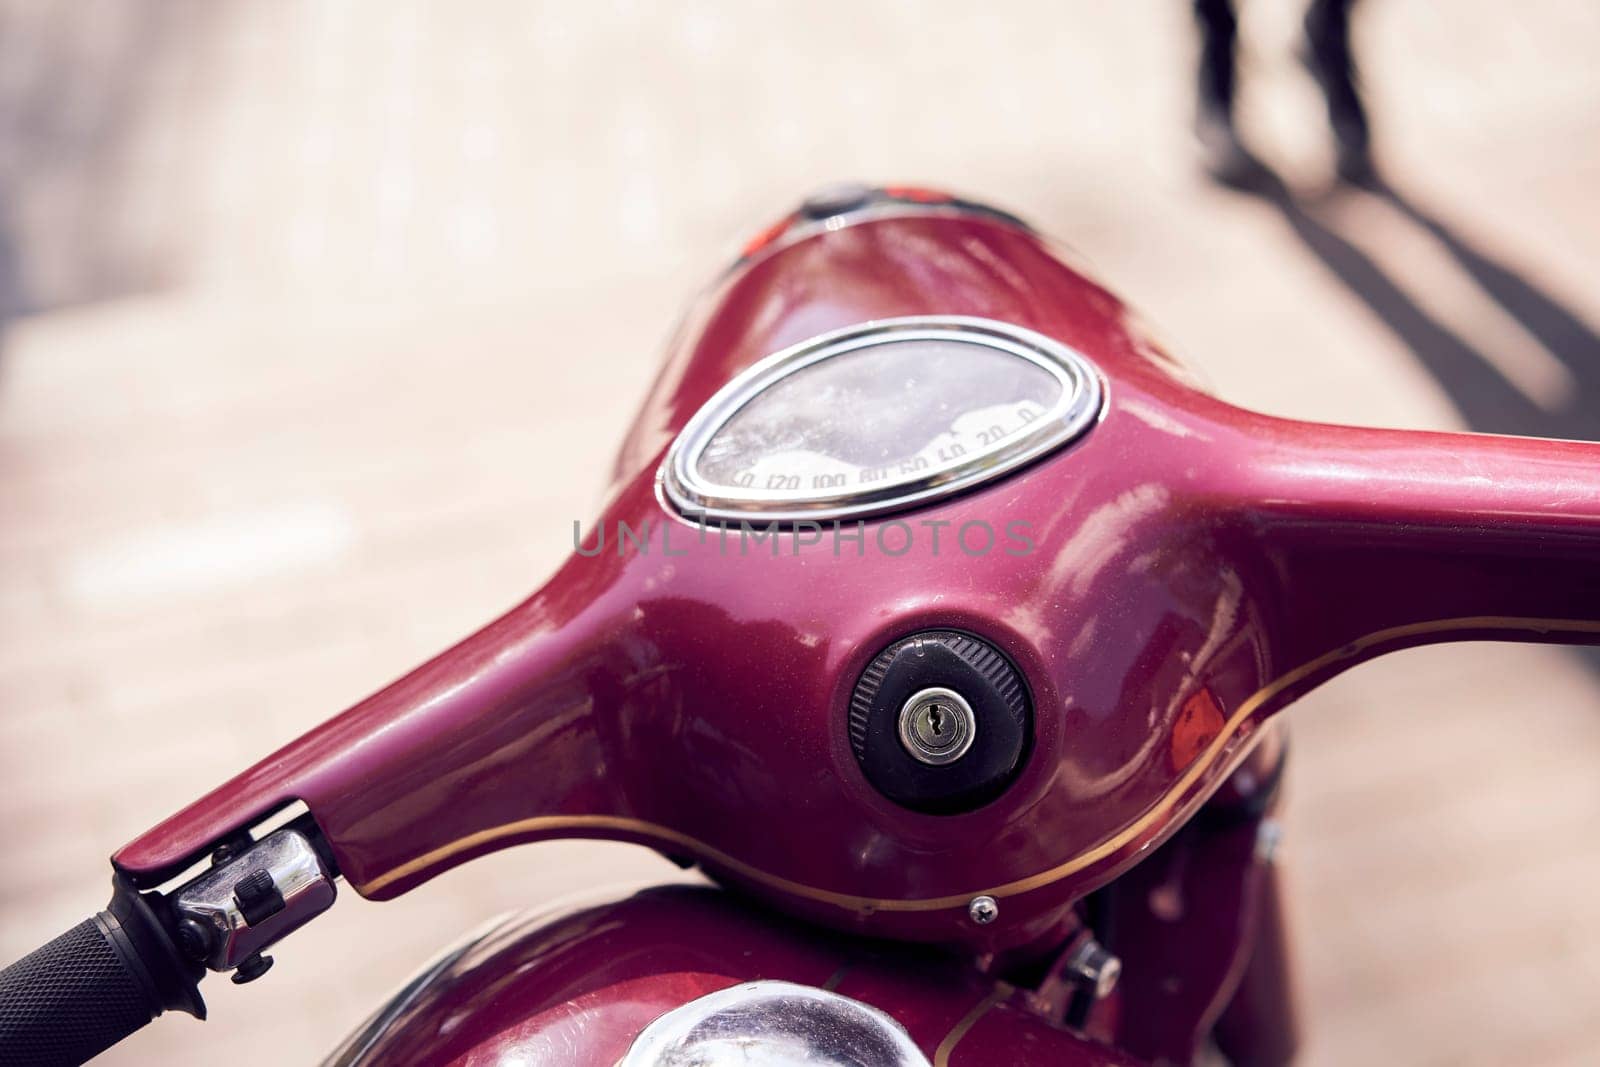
point(298, 295)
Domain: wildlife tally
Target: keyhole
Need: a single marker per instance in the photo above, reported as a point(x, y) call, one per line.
point(936, 726)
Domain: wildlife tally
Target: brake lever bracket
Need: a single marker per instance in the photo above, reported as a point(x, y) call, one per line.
point(254, 897)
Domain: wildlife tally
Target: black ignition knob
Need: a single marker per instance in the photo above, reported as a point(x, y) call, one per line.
point(941, 721)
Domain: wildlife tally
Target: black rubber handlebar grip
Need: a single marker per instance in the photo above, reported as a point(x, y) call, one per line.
point(73, 998)
point(70, 1000)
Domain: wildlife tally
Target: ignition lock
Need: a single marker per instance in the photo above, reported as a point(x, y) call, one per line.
point(940, 721)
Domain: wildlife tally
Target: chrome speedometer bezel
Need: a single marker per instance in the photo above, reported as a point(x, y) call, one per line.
point(1081, 404)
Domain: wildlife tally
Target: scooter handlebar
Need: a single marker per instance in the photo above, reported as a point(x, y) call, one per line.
point(72, 998)
point(75, 996)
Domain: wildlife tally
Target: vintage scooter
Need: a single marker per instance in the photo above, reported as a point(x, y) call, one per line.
point(942, 619)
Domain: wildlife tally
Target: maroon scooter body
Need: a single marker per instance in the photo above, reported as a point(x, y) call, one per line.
point(1197, 926)
point(578, 988)
point(1196, 567)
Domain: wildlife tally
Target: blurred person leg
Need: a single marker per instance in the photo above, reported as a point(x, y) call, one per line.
point(1222, 153)
point(1331, 60)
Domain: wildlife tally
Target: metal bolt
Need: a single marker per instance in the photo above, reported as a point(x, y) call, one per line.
point(1094, 968)
point(194, 939)
point(251, 967)
point(227, 850)
point(983, 910)
point(1269, 835)
point(937, 726)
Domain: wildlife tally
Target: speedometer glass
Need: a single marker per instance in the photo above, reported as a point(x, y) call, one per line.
point(879, 417)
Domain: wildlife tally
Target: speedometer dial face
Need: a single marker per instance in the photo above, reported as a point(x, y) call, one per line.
point(879, 417)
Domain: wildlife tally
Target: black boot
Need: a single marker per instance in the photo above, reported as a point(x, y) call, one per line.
point(1328, 56)
point(1222, 153)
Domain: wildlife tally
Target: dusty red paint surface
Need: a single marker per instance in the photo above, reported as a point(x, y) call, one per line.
point(697, 702)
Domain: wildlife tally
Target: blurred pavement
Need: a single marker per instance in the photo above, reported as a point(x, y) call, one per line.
point(303, 305)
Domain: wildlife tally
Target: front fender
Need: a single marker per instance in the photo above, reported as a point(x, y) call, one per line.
point(578, 987)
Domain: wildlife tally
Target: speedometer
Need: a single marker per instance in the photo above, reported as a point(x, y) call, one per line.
point(879, 417)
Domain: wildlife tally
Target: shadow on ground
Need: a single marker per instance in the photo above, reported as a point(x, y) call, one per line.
point(1487, 400)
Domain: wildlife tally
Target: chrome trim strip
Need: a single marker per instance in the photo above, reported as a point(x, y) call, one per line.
point(880, 207)
point(1081, 403)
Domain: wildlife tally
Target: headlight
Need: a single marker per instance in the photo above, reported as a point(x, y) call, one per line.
point(774, 1024)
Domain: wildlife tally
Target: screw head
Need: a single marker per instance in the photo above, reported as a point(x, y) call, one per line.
point(983, 910)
